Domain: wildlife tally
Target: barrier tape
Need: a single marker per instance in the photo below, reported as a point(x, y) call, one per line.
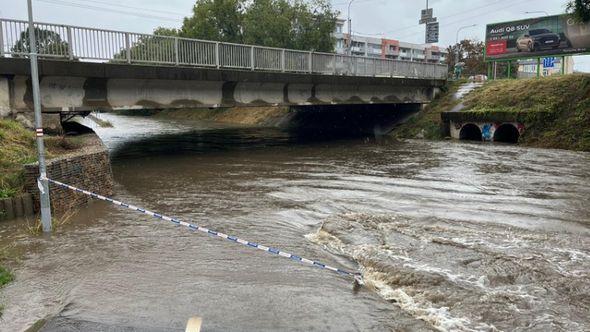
point(210, 232)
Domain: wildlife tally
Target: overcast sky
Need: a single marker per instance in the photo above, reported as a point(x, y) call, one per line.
point(395, 19)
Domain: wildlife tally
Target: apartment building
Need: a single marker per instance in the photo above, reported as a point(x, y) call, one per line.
point(386, 48)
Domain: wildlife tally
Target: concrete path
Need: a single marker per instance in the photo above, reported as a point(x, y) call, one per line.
point(463, 91)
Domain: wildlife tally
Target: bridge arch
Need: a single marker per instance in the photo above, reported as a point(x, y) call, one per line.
point(470, 132)
point(506, 133)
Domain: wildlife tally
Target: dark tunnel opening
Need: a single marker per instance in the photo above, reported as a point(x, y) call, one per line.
point(470, 132)
point(350, 120)
point(506, 133)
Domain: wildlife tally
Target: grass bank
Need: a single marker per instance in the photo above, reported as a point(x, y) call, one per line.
point(427, 124)
point(555, 110)
point(17, 147)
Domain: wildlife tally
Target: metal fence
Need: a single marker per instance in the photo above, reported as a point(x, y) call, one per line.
point(89, 44)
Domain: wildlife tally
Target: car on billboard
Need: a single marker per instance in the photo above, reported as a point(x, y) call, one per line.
point(538, 39)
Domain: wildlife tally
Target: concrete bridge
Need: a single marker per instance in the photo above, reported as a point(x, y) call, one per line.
point(84, 69)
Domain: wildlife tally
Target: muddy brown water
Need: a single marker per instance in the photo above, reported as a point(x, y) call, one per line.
point(449, 236)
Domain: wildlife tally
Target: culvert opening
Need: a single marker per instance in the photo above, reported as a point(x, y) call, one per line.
point(506, 133)
point(470, 132)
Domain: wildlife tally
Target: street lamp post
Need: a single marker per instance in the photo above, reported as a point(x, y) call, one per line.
point(349, 29)
point(457, 40)
point(43, 183)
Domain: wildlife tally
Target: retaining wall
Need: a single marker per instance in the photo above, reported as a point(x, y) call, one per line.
point(89, 169)
point(16, 207)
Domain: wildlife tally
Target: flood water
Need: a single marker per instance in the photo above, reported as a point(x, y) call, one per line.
point(449, 236)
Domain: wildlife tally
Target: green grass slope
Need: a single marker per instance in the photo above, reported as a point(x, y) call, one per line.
point(555, 110)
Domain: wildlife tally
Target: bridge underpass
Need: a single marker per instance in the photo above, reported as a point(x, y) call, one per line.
point(70, 88)
point(103, 70)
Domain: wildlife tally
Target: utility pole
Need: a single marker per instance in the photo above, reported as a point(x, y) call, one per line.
point(43, 183)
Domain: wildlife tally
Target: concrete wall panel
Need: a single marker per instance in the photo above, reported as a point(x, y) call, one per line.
point(131, 93)
point(20, 90)
point(58, 92)
point(300, 93)
point(250, 92)
point(335, 94)
point(5, 110)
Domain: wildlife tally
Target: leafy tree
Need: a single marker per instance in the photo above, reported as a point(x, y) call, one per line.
point(219, 20)
point(294, 24)
point(580, 9)
point(297, 24)
point(471, 52)
point(162, 31)
point(48, 42)
point(151, 48)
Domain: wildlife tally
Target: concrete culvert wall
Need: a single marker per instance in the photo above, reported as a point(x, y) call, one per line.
point(470, 132)
point(506, 133)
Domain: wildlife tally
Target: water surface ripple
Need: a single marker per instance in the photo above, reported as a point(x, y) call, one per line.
point(450, 236)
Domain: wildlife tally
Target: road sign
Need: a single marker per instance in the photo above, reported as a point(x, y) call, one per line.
point(428, 20)
point(432, 30)
point(427, 16)
point(549, 62)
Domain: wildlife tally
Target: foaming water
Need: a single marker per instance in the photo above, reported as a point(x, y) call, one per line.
point(449, 236)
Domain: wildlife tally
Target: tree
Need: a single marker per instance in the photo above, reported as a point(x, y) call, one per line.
point(48, 43)
point(161, 31)
point(297, 24)
point(471, 52)
point(294, 25)
point(580, 9)
point(219, 20)
point(151, 48)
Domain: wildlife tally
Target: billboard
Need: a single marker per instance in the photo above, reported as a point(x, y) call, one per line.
point(537, 37)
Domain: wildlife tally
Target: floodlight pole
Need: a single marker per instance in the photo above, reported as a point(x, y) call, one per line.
point(349, 29)
point(43, 183)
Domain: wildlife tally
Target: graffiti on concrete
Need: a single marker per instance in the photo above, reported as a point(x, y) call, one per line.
point(487, 131)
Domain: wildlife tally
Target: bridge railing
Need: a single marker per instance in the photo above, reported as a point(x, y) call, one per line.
point(99, 45)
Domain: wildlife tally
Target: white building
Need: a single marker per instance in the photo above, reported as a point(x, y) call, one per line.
point(386, 48)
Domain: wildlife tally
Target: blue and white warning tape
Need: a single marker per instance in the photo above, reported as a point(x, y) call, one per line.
point(271, 250)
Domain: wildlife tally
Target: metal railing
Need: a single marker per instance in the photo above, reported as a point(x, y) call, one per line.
point(98, 45)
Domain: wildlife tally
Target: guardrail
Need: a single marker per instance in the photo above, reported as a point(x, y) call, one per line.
point(98, 45)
